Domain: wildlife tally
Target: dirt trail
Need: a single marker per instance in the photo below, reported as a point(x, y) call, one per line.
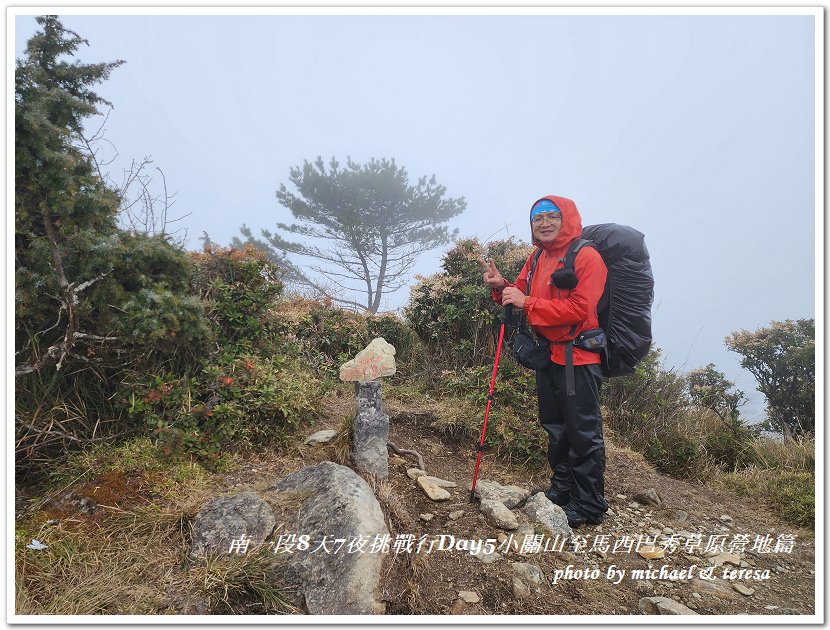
point(431, 583)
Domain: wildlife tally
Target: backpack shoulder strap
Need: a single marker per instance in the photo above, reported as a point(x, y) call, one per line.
point(523, 325)
point(573, 250)
point(533, 262)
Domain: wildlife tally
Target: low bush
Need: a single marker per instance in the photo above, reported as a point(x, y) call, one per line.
point(243, 398)
point(145, 321)
point(518, 439)
point(326, 336)
point(238, 287)
point(653, 412)
point(453, 313)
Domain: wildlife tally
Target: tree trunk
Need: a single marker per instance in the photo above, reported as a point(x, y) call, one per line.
point(381, 276)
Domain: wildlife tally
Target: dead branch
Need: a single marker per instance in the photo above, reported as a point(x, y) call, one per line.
point(400, 451)
point(56, 353)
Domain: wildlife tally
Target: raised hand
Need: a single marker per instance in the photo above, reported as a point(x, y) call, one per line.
point(492, 277)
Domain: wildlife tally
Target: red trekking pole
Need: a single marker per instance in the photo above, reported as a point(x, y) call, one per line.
point(508, 311)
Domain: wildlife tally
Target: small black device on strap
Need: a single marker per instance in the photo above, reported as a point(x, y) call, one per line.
point(531, 350)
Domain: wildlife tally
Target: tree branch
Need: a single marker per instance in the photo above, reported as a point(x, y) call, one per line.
point(56, 353)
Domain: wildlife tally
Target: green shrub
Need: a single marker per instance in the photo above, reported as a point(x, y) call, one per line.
point(453, 313)
point(792, 494)
point(325, 336)
point(333, 333)
point(458, 420)
point(515, 386)
point(650, 412)
point(518, 438)
point(152, 324)
point(247, 398)
point(239, 286)
point(782, 357)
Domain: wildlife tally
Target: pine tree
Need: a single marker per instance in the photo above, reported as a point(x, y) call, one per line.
point(364, 225)
point(79, 279)
point(62, 208)
point(92, 301)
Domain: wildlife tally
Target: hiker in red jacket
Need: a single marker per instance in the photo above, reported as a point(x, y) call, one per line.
point(576, 451)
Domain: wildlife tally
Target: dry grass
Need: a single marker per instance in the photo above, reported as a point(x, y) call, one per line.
point(243, 584)
point(781, 475)
point(130, 557)
point(119, 563)
point(797, 455)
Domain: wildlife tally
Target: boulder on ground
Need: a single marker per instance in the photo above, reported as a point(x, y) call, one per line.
point(498, 515)
point(321, 437)
point(329, 502)
point(435, 493)
point(510, 496)
point(225, 519)
point(663, 606)
point(548, 515)
point(648, 496)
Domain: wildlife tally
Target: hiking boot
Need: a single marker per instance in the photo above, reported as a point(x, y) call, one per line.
point(577, 517)
point(558, 497)
point(554, 496)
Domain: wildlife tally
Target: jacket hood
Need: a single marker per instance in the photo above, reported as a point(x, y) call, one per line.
point(571, 224)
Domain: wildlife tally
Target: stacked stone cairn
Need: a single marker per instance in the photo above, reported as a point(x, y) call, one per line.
point(329, 499)
point(371, 424)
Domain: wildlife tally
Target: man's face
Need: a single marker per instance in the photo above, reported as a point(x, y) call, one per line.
point(546, 226)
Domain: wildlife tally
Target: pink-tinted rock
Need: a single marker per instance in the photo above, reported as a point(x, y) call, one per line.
point(371, 363)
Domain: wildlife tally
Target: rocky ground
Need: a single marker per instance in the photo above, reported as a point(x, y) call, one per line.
point(601, 569)
point(643, 503)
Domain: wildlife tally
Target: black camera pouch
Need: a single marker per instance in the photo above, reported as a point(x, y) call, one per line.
point(564, 278)
point(531, 350)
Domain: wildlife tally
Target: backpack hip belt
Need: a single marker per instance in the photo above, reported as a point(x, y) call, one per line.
point(591, 340)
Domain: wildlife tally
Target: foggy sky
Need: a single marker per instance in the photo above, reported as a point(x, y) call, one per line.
point(696, 130)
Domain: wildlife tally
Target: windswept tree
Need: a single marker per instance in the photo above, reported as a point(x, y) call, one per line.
point(363, 226)
point(782, 358)
point(61, 205)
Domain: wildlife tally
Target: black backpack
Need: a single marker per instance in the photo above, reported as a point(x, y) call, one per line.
point(624, 310)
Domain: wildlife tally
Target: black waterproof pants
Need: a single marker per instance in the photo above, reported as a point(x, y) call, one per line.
point(576, 450)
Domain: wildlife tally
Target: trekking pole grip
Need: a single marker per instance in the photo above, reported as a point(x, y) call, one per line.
point(508, 314)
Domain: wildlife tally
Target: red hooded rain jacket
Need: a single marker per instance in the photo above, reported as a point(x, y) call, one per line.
point(551, 311)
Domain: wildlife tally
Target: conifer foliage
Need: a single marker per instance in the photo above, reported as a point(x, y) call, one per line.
point(367, 226)
point(61, 208)
point(91, 299)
